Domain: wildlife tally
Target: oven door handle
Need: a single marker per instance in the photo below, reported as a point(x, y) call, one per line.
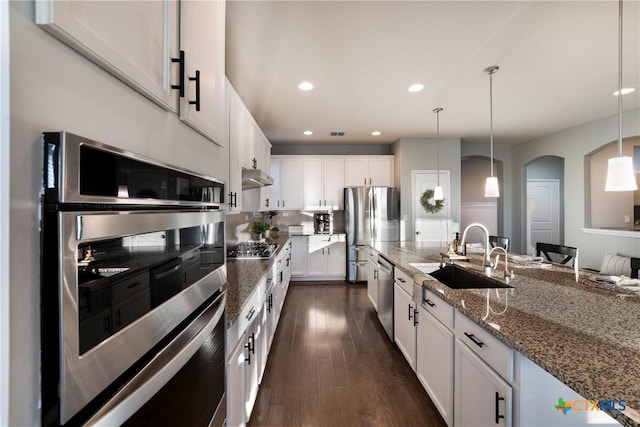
point(152, 377)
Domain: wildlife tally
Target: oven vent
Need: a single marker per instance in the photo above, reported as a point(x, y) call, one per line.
point(337, 133)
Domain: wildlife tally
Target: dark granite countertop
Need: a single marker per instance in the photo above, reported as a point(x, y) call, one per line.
point(585, 334)
point(243, 275)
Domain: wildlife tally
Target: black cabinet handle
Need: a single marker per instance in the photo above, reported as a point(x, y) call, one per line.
point(106, 323)
point(498, 399)
point(251, 313)
point(197, 80)
point(400, 279)
point(133, 285)
point(429, 303)
point(266, 202)
point(473, 338)
point(233, 200)
point(410, 311)
point(415, 318)
point(255, 163)
point(180, 85)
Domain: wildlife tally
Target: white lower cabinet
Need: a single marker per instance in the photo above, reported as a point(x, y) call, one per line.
point(404, 324)
point(482, 397)
point(319, 256)
point(235, 372)
point(434, 361)
point(249, 339)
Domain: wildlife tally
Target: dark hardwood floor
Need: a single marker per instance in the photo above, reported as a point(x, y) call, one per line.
point(332, 364)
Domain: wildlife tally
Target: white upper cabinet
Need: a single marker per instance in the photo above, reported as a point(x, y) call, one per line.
point(133, 40)
point(236, 142)
point(288, 183)
point(172, 52)
point(202, 25)
point(323, 183)
point(368, 171)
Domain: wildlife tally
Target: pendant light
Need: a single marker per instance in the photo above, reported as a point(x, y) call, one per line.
point(438, 193)
point(491, 188)
point(620, 174)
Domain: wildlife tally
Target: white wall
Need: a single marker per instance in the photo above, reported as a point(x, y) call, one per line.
point(573, 144)
point(54, 88)
point(420, 154)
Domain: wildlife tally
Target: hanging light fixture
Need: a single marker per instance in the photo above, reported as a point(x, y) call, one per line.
point(620, 175)
point(438, 193)
point(491, 188)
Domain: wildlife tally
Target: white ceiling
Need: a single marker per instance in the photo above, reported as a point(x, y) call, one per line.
point(558, 66)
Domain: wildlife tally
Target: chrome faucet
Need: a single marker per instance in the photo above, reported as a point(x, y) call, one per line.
point(507, 274)
point(486, 261)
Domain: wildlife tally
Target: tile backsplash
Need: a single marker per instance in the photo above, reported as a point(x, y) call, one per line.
point(237, 224)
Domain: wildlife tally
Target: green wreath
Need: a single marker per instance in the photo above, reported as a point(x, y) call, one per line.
point(427, 205)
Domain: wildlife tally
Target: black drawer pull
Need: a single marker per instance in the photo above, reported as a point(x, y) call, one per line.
point(430, 303)
point(415, 317)
point(133, 285)
point(197, 80)
point(498, 399)
point(474, 339)
point(251, 313)
point(401, 280)
point(410, 311)
point(180, 85)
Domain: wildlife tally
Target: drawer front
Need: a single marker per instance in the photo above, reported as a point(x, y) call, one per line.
point(403, 280)
point(129, 287)
point(438, 308)
point(250, 311)
point(486, 346)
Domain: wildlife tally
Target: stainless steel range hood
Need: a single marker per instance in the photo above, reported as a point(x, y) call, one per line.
point(254, 178)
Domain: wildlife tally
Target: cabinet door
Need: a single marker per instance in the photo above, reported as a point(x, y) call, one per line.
point(298, 256)
point(275, 192)
point(316, 259)
point(356, 172)
point(372, 283)
point(249, 154)
point(481, 396)
point(336, 261)
point(313, 183)
point(133, 40)
point(202, 39)
point(380, 172)
point(292, 185)
point(253, 342)
point(333, 183)
point(404, 330)
point(236, 141)
point(235, 383)
point(434, 362)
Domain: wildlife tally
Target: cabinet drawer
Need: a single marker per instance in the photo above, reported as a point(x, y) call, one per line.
point(403, 280)
point(438, 308)
point(126, 288)
point(486, 346)
point(250, 311)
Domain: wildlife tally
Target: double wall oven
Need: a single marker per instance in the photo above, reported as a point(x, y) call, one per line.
point(133, 273)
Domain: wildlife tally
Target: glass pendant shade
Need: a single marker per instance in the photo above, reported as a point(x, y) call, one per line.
point(438, 194)
point(620, 175)
point(491, 187)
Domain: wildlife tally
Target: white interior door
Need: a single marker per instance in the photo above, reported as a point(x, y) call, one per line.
point(543, 214)
point(430, 226)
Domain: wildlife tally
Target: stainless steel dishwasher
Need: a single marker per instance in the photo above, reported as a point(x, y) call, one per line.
point(385, 295)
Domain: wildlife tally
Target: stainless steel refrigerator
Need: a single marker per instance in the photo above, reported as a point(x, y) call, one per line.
point(372, 214)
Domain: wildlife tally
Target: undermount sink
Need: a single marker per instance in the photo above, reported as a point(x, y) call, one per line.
point(458, 278)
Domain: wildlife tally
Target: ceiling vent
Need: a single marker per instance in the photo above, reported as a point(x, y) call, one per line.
point(337, 133)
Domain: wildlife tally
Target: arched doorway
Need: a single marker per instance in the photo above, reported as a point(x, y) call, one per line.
point(544, 213)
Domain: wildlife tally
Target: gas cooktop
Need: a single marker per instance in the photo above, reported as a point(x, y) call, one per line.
point(253, 250)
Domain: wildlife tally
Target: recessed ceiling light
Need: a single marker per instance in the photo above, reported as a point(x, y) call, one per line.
point(625, 91)
point(416, 87)
point(308, 132)
point(376, 133)
point(305, 86)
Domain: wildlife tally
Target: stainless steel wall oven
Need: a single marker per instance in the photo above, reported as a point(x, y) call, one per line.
point(133, 268)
